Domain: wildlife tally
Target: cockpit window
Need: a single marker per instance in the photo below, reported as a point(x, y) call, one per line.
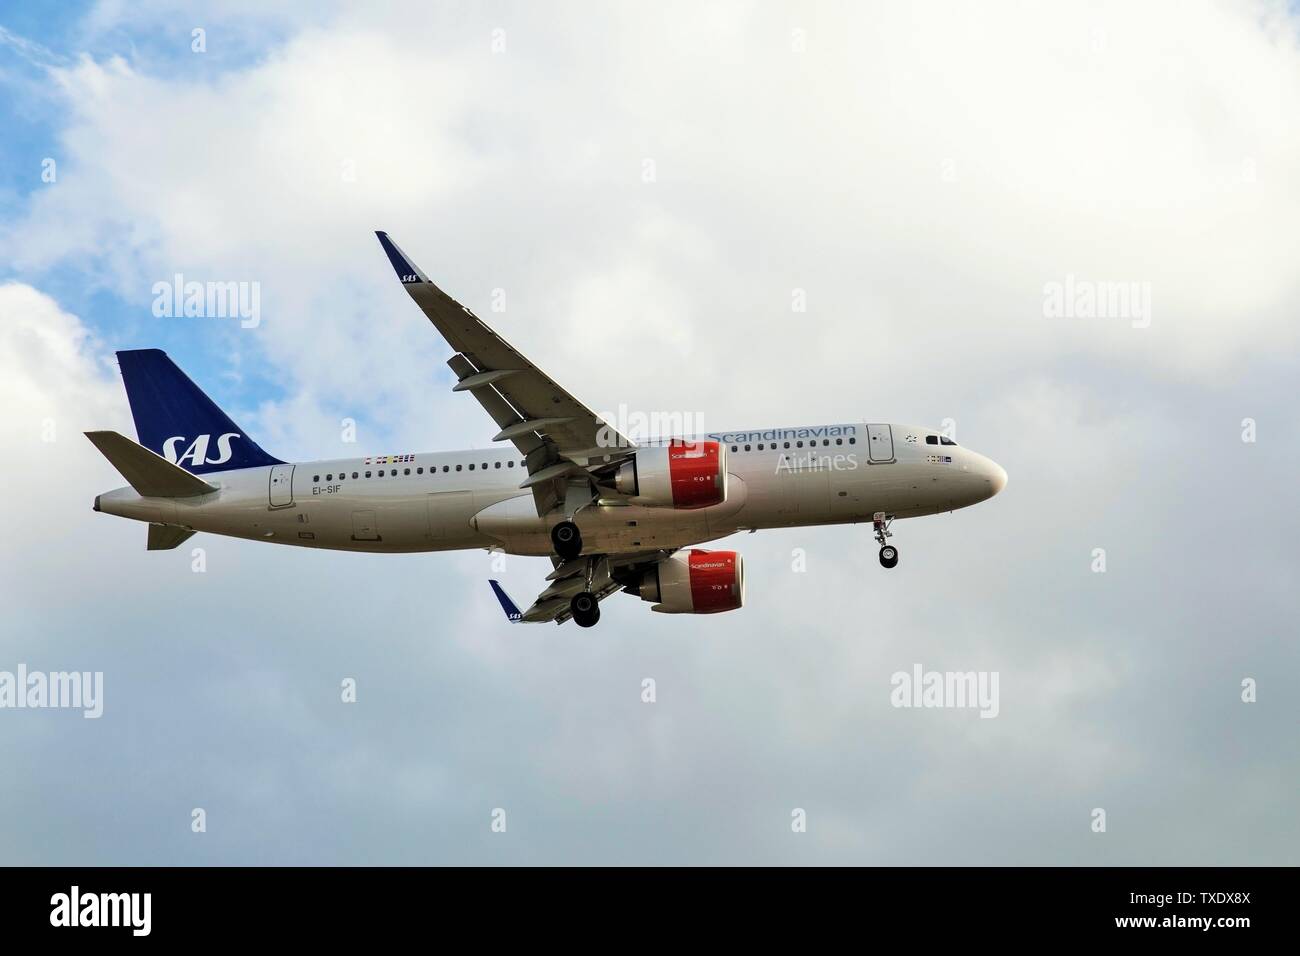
point(932, 439)
point(945, 440)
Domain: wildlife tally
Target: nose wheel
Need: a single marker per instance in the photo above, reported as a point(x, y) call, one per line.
point(888, 553)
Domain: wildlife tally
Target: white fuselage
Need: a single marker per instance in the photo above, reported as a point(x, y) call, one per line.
point(441, 501)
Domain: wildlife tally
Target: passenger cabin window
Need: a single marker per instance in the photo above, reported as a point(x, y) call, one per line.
point(315, 477)
point(354, 474)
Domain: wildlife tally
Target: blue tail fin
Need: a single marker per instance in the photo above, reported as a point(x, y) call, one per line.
point(173, 417)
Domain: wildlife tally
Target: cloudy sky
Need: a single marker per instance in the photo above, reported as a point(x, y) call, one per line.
point(654, 190)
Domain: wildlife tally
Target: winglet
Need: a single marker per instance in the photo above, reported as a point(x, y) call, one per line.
point(406, 269)
point(507, 605)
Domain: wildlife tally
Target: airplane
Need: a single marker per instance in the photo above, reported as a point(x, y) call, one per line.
point(611, 514)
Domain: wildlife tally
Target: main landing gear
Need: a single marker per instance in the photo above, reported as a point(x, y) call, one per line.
point(584, 605)
point(888, 553)
point(566, 539)
point(585, 608)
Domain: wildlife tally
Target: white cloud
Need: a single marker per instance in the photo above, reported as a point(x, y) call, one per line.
point(1130, 155)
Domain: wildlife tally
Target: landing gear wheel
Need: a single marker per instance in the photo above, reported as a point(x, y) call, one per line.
point(567, 540)
point(585, 608)
point(880, 522)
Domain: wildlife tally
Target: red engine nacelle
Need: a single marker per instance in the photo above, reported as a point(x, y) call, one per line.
point(696, 582)
point(680, 474)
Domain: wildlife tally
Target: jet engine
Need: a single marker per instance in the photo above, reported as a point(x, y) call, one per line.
point(681, 474)
point(694, 582)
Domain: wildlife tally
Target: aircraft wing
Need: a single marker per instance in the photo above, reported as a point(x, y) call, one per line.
point(570, 577)
point(551, 605)
point(558, 435)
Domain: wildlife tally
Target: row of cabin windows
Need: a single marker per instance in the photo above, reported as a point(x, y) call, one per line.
point(392, 472)
point(812, 444)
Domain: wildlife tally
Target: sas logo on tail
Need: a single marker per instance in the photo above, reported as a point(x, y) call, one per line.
point(197, 453)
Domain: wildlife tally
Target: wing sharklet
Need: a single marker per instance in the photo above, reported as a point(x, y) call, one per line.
point(507, 605)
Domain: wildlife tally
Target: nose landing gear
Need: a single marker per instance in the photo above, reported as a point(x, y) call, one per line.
point(888, 553)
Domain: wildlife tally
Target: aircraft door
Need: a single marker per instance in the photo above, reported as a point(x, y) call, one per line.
point(880, 442)
point(281, 486)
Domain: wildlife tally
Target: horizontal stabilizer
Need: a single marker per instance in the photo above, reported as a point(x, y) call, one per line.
point(152, 476)
point(164, 537)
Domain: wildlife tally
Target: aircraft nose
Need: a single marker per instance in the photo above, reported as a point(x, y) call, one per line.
point(997, 477)
point(990, 477)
